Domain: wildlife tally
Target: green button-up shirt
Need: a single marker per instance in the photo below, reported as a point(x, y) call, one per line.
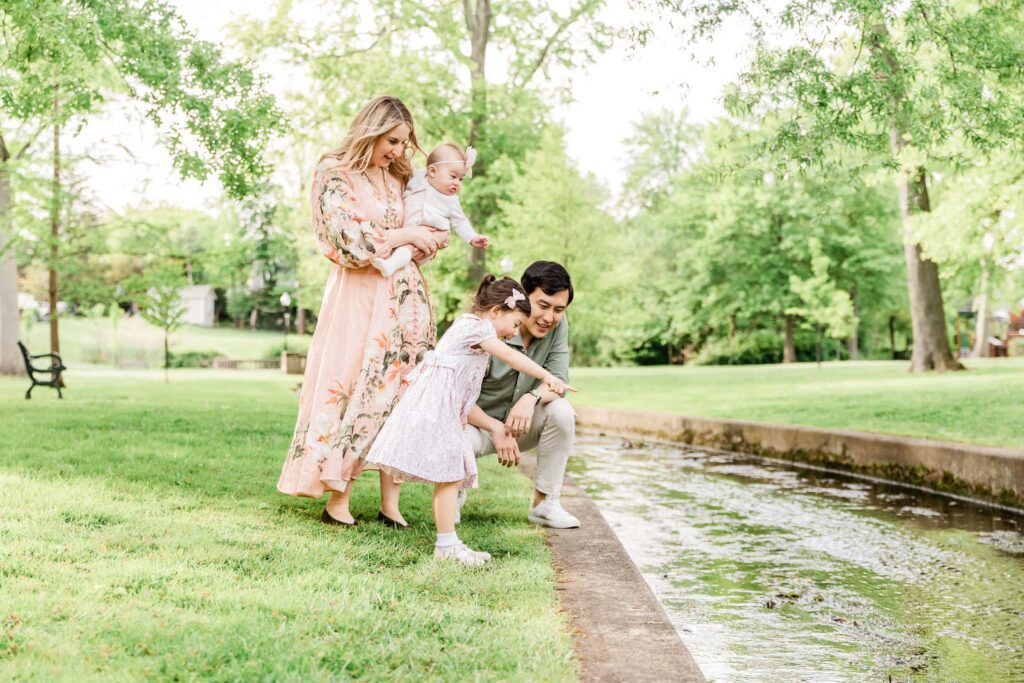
point(503, 386)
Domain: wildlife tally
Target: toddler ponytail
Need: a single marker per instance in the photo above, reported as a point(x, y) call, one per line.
point(494, 292)
point(485, 282)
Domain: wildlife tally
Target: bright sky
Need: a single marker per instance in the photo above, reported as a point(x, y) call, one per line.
point(609, 96)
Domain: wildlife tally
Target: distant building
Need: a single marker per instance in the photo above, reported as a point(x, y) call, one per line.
point(198, 301)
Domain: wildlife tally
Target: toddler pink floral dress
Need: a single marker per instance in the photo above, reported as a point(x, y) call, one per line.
point(424, 439)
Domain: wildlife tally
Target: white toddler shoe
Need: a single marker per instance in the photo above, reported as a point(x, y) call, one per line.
point(460, 552)
point(549, 512)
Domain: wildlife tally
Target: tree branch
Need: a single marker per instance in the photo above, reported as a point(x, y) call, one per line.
point(377, 37)
point(945, 39)
point(552, 39)
point(31, 141)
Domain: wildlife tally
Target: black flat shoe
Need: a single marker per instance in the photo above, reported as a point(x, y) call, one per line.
point(387, 521)
point(327, 519)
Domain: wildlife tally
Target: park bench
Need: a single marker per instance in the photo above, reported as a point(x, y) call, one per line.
point(56, 367)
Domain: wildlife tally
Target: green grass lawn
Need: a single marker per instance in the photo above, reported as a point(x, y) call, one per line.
point(142, 538)
point(98, 340)
point(984, 405)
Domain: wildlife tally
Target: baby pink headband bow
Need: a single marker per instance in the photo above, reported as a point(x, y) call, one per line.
point(514, 297)
point(470, 159)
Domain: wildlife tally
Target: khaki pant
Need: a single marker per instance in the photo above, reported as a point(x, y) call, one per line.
point(552, 431)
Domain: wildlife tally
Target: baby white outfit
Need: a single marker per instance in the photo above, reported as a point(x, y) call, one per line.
point(425, 205)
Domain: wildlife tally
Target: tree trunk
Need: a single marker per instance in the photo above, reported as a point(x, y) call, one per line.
point(732, 325)
point(788, 346)
point(981, 324)
point(817, 344)
point(55, 234)
point(852, 342)
point(253, 318)
point(167, 357)
point(300, 320)
point(927, 316)
point(892, 336)
point(478, 22)
point(10, 322)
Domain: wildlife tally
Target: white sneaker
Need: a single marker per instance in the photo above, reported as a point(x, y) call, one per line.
point(549, 512)
point(459, 502)
point(460, 552)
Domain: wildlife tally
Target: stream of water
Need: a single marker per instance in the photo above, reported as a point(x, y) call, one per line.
point(772, 572)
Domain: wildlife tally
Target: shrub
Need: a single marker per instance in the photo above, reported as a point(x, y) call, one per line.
point(749, 348)
point(193, 359)
point(296, 344)
point(1016, 347)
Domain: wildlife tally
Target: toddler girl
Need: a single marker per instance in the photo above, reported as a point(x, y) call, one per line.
point(432, 198)
point(424, 439)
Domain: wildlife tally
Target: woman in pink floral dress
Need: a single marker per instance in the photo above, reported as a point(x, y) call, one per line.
point(372, 330)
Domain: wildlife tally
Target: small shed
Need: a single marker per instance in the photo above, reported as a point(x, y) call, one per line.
point(198, 301)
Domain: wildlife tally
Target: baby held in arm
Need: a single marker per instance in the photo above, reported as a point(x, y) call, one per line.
point(432, 198)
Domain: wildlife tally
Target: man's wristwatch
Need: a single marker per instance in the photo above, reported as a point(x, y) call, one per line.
point(535, 393)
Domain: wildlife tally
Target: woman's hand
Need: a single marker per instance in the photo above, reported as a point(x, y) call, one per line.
point(419, 238)
point(441, 238)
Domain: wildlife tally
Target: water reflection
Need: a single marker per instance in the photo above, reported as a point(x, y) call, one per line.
point(775, 573)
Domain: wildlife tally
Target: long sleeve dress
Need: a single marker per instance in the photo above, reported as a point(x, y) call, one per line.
point(370, 334)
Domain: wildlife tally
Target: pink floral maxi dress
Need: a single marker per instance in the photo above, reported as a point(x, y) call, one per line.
point(425, 438)
point(370, 334)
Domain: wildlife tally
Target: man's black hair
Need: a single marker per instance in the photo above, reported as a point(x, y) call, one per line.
point(551, 277)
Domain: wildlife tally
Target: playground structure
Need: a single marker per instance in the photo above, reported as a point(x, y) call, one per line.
point(1005, 332)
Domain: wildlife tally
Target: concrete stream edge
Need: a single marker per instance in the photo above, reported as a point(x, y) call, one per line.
point(620, 630)
point(986, 473)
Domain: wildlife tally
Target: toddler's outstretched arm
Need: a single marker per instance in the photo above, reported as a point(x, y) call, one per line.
point(521, 362)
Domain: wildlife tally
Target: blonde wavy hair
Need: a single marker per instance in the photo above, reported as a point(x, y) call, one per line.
point(380, 115)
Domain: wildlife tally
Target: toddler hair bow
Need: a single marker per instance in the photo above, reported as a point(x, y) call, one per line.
point(514, 297)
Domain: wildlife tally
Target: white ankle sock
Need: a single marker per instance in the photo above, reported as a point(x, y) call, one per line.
point(445, 540)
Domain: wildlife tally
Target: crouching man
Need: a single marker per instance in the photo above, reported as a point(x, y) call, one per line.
point(515, 413)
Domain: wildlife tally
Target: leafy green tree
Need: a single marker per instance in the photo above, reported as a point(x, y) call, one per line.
point(660, 147)
point(240, 305)
point(554, 214)
point(435, 56)
point(977, 233)
point(722, 246)
point(890, 79)
point(822, 303)
point(162, 307)
point(61, 58)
